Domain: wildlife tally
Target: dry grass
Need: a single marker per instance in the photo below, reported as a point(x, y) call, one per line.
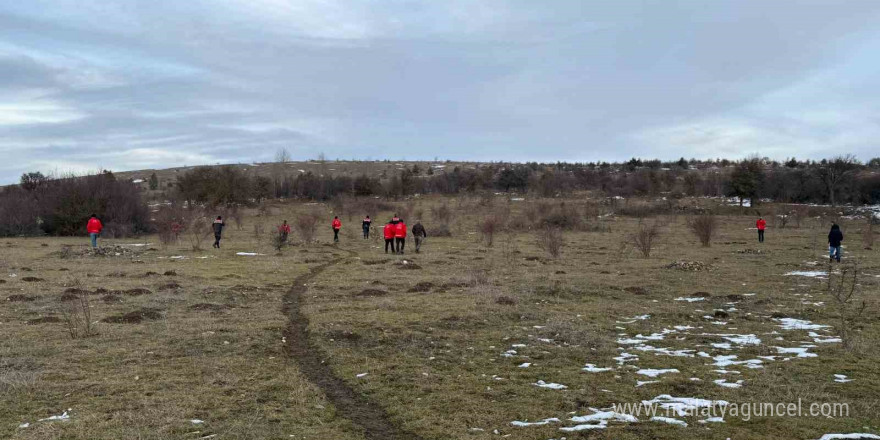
point(431, 344)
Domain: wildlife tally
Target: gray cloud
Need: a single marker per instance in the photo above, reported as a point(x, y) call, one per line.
point(133, 84)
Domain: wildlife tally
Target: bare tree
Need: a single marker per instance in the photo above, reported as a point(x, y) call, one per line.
point(77, 313)
point(491, 224)
point(306, 225)
point(836, 171)
point(282, 155)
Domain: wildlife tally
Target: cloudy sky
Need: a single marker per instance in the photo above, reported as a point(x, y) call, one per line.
point(131, 84)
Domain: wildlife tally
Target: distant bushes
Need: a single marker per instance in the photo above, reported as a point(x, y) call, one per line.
point(42, 205)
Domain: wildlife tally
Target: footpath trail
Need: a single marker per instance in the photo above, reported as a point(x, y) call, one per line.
point(348, 402)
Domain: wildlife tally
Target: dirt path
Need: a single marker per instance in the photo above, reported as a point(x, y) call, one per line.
point(348, 402)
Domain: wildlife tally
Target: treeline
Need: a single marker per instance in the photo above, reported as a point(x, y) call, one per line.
point(838, 180)
point(62, 206)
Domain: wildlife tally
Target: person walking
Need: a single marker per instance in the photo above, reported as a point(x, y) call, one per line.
point(395, 219)
point(388, 231)
point(218, 230)
point(835, 236)
point(337, 225)
point(366, 225)
point(761, 224)
point(284, 230)
point(400, 235)
point(419, 234)
point(94, 228)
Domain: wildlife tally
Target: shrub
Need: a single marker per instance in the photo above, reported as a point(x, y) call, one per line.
point(549, 239)
point(645, 238)
point(704, 227)
point(306, 225)
point(491, 224)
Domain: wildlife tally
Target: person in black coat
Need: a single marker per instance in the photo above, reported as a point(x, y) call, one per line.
point(835, 236)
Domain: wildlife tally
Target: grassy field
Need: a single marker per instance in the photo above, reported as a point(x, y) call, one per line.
point(449, 343)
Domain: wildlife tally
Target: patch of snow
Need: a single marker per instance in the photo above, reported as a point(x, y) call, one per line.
point(654, 373)
point(196, 421)
point(801, 352)
point(807, 273)
point(63, 417)
point(551, 385)
point(669, 420)
point(542, 422)
point(726, 360)
point(854, 436)
point(361, 375)
point(798, 324)
point(683, 405)
point(713, 420)
point(248, 254)
point(724, 383)
point(841, 378)
point(525, 365)
point(690, 299)
point(592, 368)
point(604, 415)
point(641, 383)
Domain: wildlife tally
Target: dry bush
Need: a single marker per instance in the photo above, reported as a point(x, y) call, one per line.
point(237, 216)
point(868, 233)
point(549, 239)
point(259, 231)
point(845, 291)
point(196, 230)
point(645, 238)
point(77, 313)
point(278, 240)
point(489, 226)
point(704, 227)
point(437, 231)
point(306, 224)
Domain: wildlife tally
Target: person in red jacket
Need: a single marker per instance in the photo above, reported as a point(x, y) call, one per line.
point(94, 228)
point(389, 237)
point(761, 224)
point(337, 225)
point(284, 230)
point(400, 235)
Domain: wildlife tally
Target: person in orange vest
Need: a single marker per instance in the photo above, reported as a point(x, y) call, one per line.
point(400, 235)
point(389, 236)
point(284, 230)
point(761, 224)
point(94, 228)
point(337, 225)
point(366, 225)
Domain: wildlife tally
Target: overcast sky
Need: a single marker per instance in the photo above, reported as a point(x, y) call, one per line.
point(128, 84)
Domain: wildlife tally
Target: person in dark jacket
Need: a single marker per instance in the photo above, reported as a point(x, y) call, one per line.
point(218, 230)
point(835, 236)
point(366, 225)
point(419, 234)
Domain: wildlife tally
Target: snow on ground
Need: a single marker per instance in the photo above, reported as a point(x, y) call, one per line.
point(592, 368)
point(683, 405)
point(542, 422)
point(807, 273)
point(713, 420)
point(798, 324)
point(552, 386)
point(854, 436)
point(841, 378)
point(724, 383)
point(654, 373)
point(669, 420)
point(248, 254)
point(801, 352)
point(690, 299)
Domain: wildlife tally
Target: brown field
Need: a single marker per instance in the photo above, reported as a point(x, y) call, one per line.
point(434, 345)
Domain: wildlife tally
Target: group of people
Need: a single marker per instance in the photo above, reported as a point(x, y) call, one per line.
point(395, 233)
point(835, 238)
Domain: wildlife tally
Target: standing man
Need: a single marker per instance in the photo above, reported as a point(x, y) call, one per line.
point(366, 226)
point(419, 234)
point(389, 236)
point(761, 224)
point(835, 236)
point(94, 228)
point(400, 235)
point(337, 225)
point(218, 230)
point(284, 230)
